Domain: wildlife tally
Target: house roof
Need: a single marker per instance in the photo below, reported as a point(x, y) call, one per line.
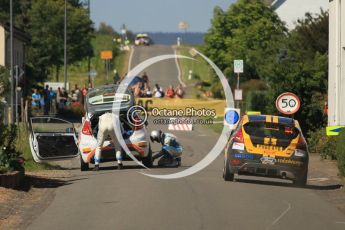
point(17, 33)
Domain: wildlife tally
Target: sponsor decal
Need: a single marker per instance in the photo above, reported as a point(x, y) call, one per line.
point(238, 146)
point(268, 160)
point(244, 156)
point(269, 147)
point(289, 162)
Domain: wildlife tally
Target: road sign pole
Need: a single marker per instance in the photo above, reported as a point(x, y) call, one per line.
point(238, 80)
point(238, 87)
point(107, 70)
point(16, 91)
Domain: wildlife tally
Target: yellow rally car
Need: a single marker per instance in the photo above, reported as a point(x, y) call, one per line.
point(269, 146)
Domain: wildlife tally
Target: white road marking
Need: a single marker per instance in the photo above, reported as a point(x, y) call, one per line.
point(318, 179)
point(178, 69)
point(340, 222)
point(281, 216)
point(130, 59)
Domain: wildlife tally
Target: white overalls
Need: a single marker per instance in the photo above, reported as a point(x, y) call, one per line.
point(106, 128)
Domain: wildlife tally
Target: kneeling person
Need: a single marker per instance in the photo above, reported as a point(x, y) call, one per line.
point(171, 150)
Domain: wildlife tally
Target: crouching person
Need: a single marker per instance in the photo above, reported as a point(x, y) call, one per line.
point(106, 128)
point(171, 150)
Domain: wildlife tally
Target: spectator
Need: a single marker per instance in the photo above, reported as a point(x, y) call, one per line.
point(36, 100)
point(47, 100)
point(117, 78)
point(179, 91)
point(170, 93)
point(138, 90)
point(147, 90)
point(62, 98)
point(84, 91)
point(158, 92)
point(52, 95)
point(77, 92)
point(145, 78)
point(90, 86)
point(65, 97)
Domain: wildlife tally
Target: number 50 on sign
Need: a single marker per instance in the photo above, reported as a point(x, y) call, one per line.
point(288, 103)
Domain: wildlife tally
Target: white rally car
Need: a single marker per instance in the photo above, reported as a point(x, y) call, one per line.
point(142, 39)
point(56, 139)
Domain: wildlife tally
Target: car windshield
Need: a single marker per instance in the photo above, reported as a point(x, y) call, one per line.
point(271, 130)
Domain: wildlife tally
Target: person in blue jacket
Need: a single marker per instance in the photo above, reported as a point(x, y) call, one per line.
point(171, 151)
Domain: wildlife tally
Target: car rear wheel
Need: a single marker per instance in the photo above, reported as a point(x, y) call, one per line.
point(301, 180)
point(83, 166)
point(227, 175)
point(148, 161)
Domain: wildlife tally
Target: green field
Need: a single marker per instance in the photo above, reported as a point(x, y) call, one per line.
point(78, 72)
point(202, 73)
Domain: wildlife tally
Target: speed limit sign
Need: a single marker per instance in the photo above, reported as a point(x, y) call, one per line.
point(288, 103)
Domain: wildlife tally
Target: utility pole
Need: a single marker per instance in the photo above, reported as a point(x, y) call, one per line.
point(89, 58)
point(12, 64)
point(65, 47)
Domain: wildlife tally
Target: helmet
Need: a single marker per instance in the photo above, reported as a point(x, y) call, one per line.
point(156, 136)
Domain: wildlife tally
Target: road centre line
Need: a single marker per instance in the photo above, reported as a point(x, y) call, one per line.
point(281, 216)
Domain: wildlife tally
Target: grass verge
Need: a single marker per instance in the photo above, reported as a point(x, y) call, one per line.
point(202, 73)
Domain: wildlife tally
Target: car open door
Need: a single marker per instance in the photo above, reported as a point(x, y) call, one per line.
point(52, 139)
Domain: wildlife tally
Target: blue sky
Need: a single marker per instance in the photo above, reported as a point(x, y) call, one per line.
point(156, 15)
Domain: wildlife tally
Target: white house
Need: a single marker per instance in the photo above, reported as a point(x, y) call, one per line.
point(292, 10)
point(336, 82)
point(19, 42)
point(20, 39)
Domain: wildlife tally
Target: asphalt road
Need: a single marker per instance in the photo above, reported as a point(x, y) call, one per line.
point(112, 199)
point(164, 73)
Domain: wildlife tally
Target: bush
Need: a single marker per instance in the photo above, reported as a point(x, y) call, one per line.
point(10, 158)
point(320, 143)
point(340, 150)
point(257, 101)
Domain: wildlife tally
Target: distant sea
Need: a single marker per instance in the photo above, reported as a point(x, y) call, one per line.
point(161, 38)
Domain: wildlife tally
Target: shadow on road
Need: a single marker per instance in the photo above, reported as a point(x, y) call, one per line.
point(282, 184)
point(44, 182)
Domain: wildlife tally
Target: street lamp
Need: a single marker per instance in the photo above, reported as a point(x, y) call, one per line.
point(89, 58)
point(65, 47)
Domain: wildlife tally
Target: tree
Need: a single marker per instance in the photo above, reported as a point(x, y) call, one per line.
point(106, 30)
point(248, 30)
point(304, 69)
point(47, 31)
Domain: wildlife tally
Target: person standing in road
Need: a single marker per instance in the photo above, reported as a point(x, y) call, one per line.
point(106, 128)
point(47, 100)
point(36, 100)
point(171, 150)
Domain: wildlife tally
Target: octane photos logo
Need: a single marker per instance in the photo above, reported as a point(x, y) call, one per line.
point(138, 115)
point(222, 141)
